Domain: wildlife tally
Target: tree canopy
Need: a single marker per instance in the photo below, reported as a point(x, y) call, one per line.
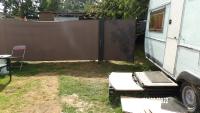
point(49, 5)
point(20, 8)
point(113, 9)
point(119, 9)
point(74, 5)
point(31, 7)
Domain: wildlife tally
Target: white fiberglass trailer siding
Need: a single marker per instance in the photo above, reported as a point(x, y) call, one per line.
point(188, 55)
point(172, 42)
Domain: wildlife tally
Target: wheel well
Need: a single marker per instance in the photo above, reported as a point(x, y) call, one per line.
point(180, 82)
point(189, 78)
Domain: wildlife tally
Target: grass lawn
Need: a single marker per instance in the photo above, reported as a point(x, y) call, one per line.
point(70, 87)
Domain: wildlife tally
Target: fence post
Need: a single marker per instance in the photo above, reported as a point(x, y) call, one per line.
point(101, 41)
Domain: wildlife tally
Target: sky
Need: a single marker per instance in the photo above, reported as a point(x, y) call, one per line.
point(1, 7)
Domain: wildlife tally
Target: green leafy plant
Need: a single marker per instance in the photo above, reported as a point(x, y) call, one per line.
point(118, 9)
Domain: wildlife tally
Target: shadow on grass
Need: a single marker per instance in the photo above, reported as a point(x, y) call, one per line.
point(89, 69)
point(4, 82)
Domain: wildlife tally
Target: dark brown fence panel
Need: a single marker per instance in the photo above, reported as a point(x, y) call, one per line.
point(119, 39)
point(75, 40)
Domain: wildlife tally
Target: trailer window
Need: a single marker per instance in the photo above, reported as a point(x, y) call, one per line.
point(156, 20)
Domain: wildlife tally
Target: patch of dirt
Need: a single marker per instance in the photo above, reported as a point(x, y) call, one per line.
point(16, 86)
point(45, 98)
point(76, 102)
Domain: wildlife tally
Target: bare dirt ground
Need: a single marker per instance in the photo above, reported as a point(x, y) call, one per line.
point(45, 98)
point(75, 102)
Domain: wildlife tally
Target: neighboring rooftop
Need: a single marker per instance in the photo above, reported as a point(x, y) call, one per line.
point(63, 16)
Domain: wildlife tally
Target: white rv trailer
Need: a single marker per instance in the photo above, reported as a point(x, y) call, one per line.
point(172, 43)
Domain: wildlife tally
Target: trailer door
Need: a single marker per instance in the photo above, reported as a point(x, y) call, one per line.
point(173, 35)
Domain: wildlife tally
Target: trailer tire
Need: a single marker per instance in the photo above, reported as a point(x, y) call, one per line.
point(190, 97)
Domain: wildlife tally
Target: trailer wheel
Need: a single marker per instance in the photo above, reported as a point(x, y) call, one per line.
point(190, 98)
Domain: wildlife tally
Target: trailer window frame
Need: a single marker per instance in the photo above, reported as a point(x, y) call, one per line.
point(156, 22)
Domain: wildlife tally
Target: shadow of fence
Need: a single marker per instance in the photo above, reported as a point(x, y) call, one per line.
point(4, 83)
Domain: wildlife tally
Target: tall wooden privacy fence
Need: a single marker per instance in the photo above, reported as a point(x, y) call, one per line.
point(74, 40)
